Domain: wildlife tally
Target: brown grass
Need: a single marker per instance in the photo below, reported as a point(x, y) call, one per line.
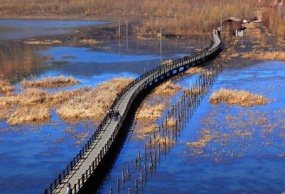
point(167, 141)
point(95, 103)
point(34, 96)
point(166, 89)
point(4, 114)
point(195, 70)
point(51, 82)
point(174, 17)
point(33, 104)
point(193, 90)
point(150, 113)
point(278, 55)
point(235, 97)
point(171, 122)
point(89, 41)
point(146, 129)
point(29, 115)
point(6, 87)
point(202, 142)
point(42, 42)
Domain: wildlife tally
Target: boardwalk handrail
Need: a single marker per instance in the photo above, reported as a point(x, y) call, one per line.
point(152, 75)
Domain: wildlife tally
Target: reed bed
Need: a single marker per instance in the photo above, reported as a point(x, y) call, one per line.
point(35, 96)
point(82, 103)
point(6, 87)
point(89, 41)
point(195, 70)
point(171, 16)
point(171, 122)
point(277, 55)
point(201, 143)
point(145, 129)
point(29, 115)
point(167, 89)
point(95, 103)
point(4, 113)
point(50, 82)
point(166, 141)
point(150, 113)
point(235, 97)
point(42, 42)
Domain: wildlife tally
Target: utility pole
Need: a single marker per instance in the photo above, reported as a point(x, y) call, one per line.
point(127, 34)
point(160, 41)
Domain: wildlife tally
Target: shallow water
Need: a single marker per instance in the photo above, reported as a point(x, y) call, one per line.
point(18, 29)
point(31, 156)
point(250, 164)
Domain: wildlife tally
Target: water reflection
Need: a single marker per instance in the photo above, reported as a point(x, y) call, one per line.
point(18, 29)
point(19, 60)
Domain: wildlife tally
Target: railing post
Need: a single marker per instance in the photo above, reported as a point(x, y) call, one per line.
point(74, 188)
point(83, 179)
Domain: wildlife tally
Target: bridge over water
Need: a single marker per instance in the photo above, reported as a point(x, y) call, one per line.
point(91, 159)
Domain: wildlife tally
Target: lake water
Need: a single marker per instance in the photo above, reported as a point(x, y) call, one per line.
point(229, 163)
point(18, 29)
point(31, 156)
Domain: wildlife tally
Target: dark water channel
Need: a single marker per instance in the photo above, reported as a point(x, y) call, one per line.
point(31, 156)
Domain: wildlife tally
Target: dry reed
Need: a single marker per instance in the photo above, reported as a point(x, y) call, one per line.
point(166, 89)
point(201, 143)
point(150, 113)
point(195, 70)
point(29, 115)
point(146, 129)
point(51, 82)
point(235, 97)
point(204, 13)
point(93, 104)
point(278, 55)
point(42, 42)
point(171, 122)
point(6, 87)
point(34, 96)
point(4, 113)
point(166, 141)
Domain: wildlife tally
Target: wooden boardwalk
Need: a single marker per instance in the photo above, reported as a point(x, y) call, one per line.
point(88, 159)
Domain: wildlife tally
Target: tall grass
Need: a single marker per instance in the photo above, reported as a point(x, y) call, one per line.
point(173, 17)
point(237, 97)
point(6, 87)
point(33, 105)
point(50, 82)
point(277, 55)
point(95, 103)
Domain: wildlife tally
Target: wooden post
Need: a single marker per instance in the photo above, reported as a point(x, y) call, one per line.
point(118, 184)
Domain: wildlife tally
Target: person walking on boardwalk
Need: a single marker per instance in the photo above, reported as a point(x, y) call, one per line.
point(68, 188)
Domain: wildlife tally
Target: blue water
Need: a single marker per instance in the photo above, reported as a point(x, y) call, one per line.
point(32, 156)
point(250, 164)
point(17, 29)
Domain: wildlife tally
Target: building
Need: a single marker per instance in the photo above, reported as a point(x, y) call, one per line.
point(234, 25)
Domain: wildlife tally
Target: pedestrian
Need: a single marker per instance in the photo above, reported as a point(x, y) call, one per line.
point(68, 188)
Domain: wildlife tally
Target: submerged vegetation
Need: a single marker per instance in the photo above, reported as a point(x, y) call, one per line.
point(153, 107)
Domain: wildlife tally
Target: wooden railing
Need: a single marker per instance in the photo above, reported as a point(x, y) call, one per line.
point(150, 77)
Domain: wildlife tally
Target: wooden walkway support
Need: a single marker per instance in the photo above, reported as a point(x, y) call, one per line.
point(86, 162)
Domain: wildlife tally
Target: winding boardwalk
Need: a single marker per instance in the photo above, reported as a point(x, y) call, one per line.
point(89, 158)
